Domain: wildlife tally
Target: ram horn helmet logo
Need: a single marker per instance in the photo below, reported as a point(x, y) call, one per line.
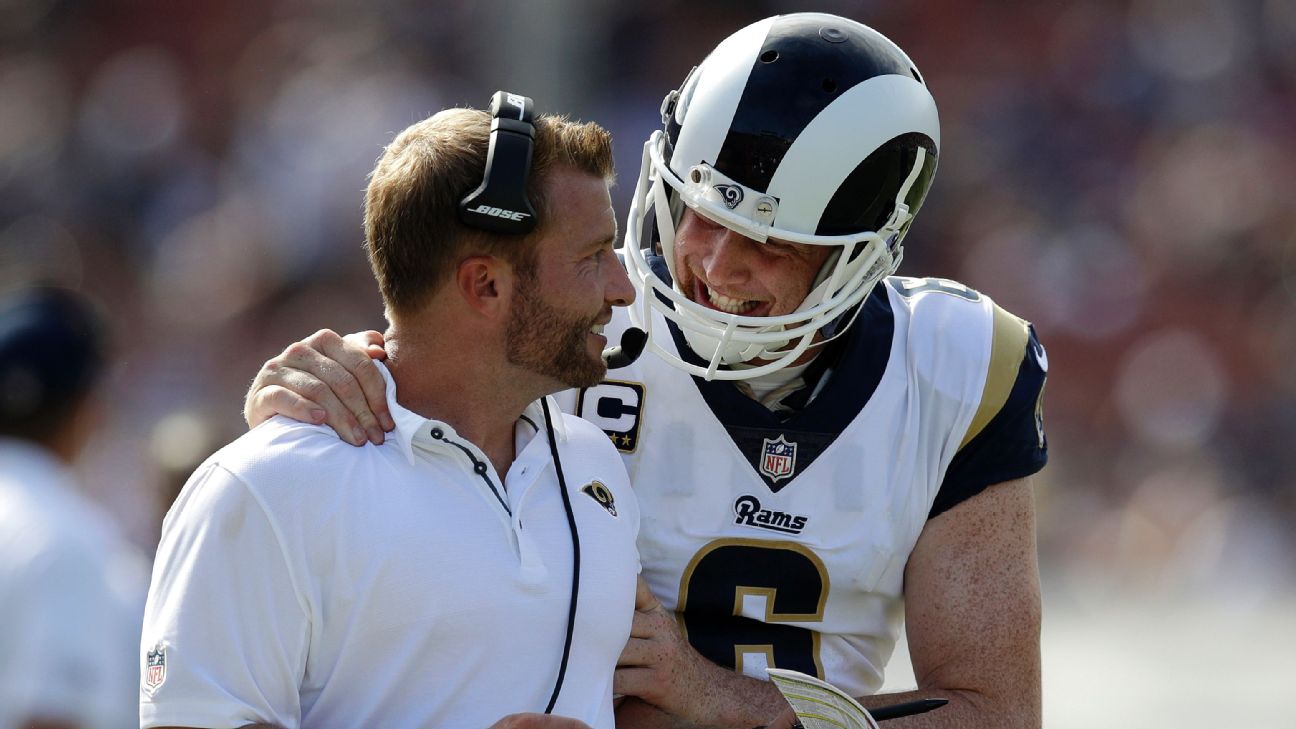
point(731, 194)
point(778, 458)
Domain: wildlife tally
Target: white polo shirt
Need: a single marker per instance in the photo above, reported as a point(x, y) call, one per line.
point(302, 581)
point(71, 598)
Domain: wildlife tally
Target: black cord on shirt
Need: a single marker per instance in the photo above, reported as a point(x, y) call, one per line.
point(575, 536)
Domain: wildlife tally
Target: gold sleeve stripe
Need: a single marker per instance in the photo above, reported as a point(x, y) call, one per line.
point(1010, 339)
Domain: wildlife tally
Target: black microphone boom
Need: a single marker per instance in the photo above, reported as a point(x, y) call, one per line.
point(631, 346)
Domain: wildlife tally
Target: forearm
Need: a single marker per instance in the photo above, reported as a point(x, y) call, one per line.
point(735, 701)
point(741, 702)
point(721, 699)
point(245, 726)
point(966, 709)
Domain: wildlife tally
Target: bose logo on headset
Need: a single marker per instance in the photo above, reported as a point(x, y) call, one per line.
point(500, 213)
point(499, 204)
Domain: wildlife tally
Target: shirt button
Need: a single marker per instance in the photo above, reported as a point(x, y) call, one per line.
point(436, 433)
point(480, 468)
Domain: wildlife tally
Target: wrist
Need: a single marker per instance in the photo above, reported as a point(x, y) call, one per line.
point(744, 702)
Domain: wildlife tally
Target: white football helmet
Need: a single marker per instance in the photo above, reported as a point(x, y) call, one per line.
point(804, 128)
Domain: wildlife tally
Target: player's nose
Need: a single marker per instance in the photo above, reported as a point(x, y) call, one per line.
point(725, 258)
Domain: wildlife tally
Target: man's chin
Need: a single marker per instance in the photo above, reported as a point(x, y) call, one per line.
point(587, 371)
point(590, 376)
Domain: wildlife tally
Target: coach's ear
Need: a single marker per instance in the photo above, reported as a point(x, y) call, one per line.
point(485, 283)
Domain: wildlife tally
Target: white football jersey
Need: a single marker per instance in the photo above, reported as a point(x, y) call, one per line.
point(782, 541)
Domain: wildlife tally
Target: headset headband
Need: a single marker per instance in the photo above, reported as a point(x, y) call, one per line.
point(500, 204)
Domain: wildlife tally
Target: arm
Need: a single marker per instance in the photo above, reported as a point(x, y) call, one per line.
point(227, 622)
point(512, 721)
point(325, 379)
point(972, 608)
point(669, 684)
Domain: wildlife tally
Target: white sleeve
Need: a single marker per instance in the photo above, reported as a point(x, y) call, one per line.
point(226, 628)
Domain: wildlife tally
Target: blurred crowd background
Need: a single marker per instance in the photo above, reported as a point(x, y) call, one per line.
point(1120, 172)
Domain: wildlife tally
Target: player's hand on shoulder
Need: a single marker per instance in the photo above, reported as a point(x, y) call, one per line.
point(538, 721)
point(327, 379)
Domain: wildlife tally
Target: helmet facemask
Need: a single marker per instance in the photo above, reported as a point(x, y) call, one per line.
point(845, 179)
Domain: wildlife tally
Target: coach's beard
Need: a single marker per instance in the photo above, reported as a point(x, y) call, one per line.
point(549, 341)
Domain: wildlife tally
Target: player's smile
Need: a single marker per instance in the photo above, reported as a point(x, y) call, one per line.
point(725, 271)
point(704, 294)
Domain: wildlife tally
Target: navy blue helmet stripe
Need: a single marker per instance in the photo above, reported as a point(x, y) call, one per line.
point(817, 60)
point(860, 203)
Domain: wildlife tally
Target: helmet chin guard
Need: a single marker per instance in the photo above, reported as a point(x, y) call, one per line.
point(807, 129)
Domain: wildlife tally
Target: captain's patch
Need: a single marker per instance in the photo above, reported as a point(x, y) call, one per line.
point(617, 408)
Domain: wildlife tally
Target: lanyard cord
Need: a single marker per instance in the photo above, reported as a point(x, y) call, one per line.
point(575, 584)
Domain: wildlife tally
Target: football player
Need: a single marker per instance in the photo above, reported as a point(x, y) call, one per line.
point(824, 453)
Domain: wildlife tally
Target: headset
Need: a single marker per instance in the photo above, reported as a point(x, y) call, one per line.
point(500, 205)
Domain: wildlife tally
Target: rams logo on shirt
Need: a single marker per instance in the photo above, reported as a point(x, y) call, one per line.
point(617, 408)
point(599, 492)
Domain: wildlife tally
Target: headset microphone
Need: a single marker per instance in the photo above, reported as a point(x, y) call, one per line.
point(631, 346)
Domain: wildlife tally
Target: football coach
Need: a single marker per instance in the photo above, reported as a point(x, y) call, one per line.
point(479, 567)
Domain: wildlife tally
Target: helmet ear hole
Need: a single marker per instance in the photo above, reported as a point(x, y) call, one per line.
point(769, 56)
point(829, 85)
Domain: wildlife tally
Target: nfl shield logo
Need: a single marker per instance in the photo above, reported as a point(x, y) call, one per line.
point(778, 458)
point(155, 667)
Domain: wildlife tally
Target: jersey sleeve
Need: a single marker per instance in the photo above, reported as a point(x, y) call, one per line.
point(1005, 440)
point(226, 631)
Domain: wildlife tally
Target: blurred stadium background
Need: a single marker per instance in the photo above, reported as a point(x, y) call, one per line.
point(1121, 172)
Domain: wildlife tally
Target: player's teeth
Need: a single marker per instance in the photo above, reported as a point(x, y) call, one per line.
point(727, 304)
point(597, 329)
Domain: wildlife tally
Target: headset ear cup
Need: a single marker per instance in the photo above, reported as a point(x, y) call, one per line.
point(500, 204)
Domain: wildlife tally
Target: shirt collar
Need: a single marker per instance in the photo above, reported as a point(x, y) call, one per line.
point(411, 427)
point(408, 422)
point(535, 413)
